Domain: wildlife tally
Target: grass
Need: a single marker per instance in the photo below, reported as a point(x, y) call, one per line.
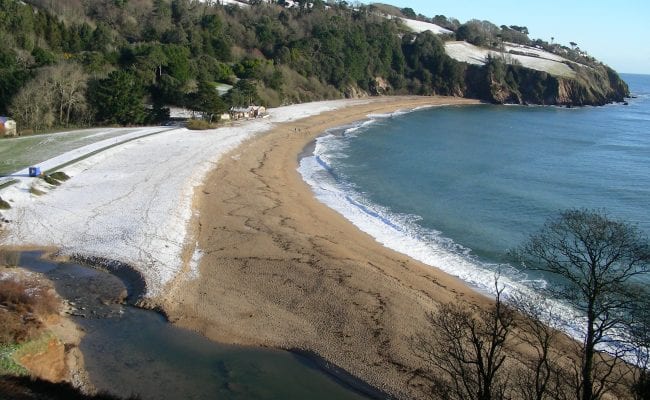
point(50, 180)
point(38, 345)
point(22, 152)
point(59, 176)
point(24, 302)
point(8, 364)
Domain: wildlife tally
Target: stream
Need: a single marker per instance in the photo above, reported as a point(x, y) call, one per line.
point(132, 351)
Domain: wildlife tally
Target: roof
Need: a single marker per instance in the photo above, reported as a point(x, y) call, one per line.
point(5, 119)
point(241, 109)
point(246, 109)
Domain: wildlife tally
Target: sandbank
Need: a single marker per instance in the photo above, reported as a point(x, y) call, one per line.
point(280, 269)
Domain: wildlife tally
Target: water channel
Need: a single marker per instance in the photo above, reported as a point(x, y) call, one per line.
point(132, 351)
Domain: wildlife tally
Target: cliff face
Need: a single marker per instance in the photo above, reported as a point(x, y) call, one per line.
point(511, 84)
point(594, 86)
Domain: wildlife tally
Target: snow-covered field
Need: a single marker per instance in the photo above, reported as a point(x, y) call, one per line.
point(132, 203)
point(232, 3)
point(419, 26)
point(547, 62)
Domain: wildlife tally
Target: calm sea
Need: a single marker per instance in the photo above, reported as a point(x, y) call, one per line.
point(457, 187)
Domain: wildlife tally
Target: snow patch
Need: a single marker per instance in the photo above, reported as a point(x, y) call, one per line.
point(545, 62)
point(420, 26)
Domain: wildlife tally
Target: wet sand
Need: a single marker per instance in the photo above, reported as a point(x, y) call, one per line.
point(280, 269)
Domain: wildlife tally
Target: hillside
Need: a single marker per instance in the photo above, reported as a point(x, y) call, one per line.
point(126, 62)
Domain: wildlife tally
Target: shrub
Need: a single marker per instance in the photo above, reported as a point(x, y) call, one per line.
point(199, 124)
point(50, 180)
point(60, 176)
point(23, 303)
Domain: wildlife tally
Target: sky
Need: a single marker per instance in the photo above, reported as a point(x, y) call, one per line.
point(615, 32)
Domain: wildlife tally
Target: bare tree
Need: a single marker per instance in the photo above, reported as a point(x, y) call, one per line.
point(33, 105)
point(640, 348)
point(468, 347)
point(593, 258)
point(52, 98)
point(545, 376)
point(69, 84)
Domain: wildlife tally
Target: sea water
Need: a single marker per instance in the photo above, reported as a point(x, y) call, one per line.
point(457, 187)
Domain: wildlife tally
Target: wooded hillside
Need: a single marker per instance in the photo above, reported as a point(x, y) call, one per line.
point(77, 62)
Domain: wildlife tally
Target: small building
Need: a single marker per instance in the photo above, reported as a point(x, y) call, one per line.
point(247, 112)
point(8, 127)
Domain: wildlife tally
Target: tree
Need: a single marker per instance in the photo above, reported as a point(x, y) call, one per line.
point(468, 347)
point(33, 106)
point(55, 97)
point(640, 346)
point(594, 259)
point(118, 99)
point(207, 100)
point(409, 13)
point(243, 94)
point(69, 84)
point(544, 378)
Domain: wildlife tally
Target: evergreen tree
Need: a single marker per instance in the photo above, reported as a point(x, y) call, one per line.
point(118, 99)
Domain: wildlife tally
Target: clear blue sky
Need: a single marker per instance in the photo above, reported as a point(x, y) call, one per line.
point(615, 32)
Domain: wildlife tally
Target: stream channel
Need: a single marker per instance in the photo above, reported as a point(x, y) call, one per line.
point(132, 351)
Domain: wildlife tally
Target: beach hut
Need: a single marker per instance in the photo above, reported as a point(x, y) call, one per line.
point(8, 127)
point(259, 111)
point(247, 112)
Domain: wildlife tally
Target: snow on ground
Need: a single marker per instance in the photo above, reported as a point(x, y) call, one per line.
point(132, 203)
point(230, 2)
point(182, 113)
point(36, 151)
point(533, 50)
point(466, 52)
point(419, 26)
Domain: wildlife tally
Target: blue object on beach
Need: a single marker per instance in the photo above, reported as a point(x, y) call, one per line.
point(34, 171)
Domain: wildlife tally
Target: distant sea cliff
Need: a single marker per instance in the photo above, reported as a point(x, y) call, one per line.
point(511, 84)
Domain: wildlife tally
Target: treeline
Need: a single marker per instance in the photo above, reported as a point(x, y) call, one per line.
point(79, 62)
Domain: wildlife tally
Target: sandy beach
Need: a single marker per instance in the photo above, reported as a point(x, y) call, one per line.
point(280, 269)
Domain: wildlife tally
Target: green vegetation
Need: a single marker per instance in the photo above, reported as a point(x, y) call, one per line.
point(19, 153)
point(199, 125)
point(72, 63)
point(24, 303)
point(8, 364)
point(59, 176)
point(50, 180)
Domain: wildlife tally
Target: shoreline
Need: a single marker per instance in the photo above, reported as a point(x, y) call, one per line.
point(280, 269)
